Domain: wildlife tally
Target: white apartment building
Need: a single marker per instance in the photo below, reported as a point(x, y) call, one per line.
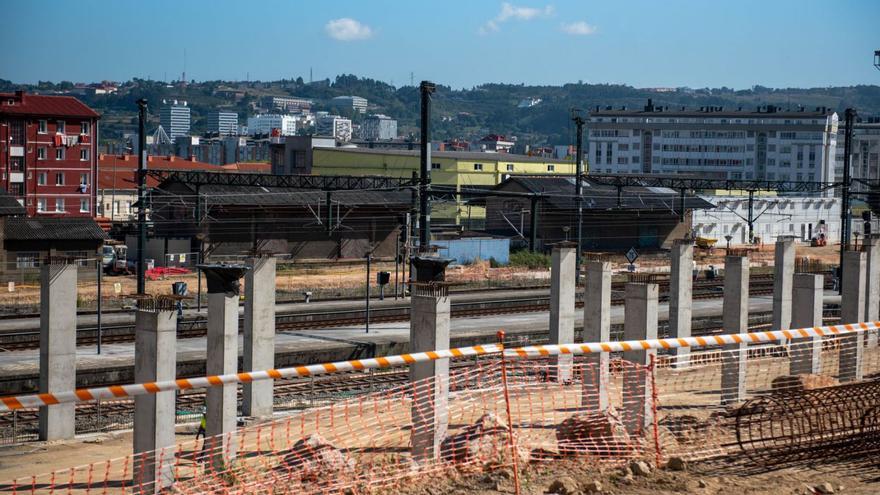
point(223, 123)
point(865, 153)
point(378, 127)
point(174, 117)
point(334, 126)
point(763, 144)
point(356, 103)
point(802, 217)
point(264, 123)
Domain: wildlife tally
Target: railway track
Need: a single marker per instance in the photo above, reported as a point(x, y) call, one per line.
point(193, 328)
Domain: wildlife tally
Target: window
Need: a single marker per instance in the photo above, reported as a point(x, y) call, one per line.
point(59, 179)
point(60, 127)
point(41, 153)
point(59, 204)
point(83, 155)
point(116, 207)
point(86, 127)
point(84, 179)
point(42, 126)
point(26, 260)
point(83, 206)
point(510, 167)
point(551, 168)
point(59, 153)
point(435, 166)
point(478, 166)
point(41, 179)
point(41, 205)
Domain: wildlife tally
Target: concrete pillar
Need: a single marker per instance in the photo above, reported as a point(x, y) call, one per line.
point(155, 359)
point(807, 299)
point(57, 347)
point(428, 331)
point(852, 310)
point(259, 335)
point(783, 271)
point(562, 290)
point(872, 284)
point(597, 328)
point(681, 295)
point(640, 323)
point(735, 320)
point(222, 358)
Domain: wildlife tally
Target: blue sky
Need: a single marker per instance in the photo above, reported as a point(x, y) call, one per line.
point(695, 43)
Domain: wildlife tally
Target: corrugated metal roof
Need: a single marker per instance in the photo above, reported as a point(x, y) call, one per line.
point(53, 229)
point(280, 196)
point(476, 156)
point(559, 193)
point(43, 105)
point(9, 205)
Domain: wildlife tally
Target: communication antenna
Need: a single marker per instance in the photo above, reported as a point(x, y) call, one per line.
point(877, 59)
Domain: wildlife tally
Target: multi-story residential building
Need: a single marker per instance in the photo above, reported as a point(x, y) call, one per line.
point(48, 158)
point(865, 154)
point(767, 143)
point(355, 103)
point(333, 126)
point(288, 104)
point(262, 125)
point(378, 127)
point(222, 150)
point(223, 123)
point(174, 117)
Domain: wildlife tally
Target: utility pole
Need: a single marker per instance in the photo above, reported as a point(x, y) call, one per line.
point(845, 208)
point(426, 88)
point(578, 191)
point(142, 190)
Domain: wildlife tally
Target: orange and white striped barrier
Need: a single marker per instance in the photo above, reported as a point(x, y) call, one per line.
point(708, 341)
point(121, 391)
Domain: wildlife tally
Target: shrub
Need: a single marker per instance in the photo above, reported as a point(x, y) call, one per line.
point(493, 263)
point(529, 259)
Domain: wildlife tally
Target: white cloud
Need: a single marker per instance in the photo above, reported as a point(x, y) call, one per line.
point(513, 12)
point(579, 28)
point(347, 29)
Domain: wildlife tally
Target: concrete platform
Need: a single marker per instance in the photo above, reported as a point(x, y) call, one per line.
point(19, 369)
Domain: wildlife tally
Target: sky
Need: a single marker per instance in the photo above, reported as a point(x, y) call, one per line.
point(643, 43)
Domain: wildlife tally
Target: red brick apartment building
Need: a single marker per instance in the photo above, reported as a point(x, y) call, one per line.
point(48, 154)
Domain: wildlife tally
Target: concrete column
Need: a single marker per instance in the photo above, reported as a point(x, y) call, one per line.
point(259, 335)
point(562, 290)
point(681, 295)
point(640, 323)
point(155, 359)
point(57, 347)
point(872, 284)
point(597, 328)
point(852, 310)
point(807, 299)
point(428, 331)
point(735, 320)
point(783, 271)
point(222, 358)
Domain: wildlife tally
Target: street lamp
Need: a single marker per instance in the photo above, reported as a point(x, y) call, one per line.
point(728, 237)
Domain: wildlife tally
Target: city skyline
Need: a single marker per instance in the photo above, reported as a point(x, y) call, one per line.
point(648, 44)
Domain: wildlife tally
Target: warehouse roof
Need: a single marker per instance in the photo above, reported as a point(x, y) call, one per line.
point(456, 155)
point(558, 192)
point(53, 229)
point(9, 205)
point(238, 195)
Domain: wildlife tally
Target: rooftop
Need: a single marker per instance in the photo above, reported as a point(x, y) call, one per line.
point(767, 111)
point(119, 171)
point(456, 155)
point(9, 206)
point(52, 229)
point(20, 103)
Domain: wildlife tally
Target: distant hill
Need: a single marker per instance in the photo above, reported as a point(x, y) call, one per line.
point(464, 113)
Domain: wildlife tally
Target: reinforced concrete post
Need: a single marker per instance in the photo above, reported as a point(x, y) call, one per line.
point(640, 323)
point(807, 299)
point(872, 284)
point(428, 331)
point(222, 358)
point(735, 320)
point(259, 335)
point(681, 295)
point(783, 271)
point(155, 359)
point(852, 310)
point(562, 294)
point(597, 328)
point(57, 347)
